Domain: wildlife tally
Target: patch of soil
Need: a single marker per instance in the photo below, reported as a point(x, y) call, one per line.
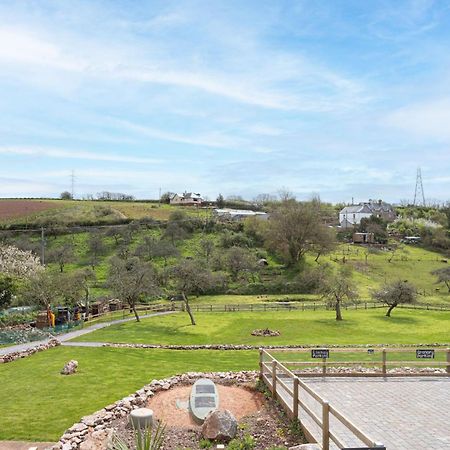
point(265, 332)
point(257, 416)
point(10, 209)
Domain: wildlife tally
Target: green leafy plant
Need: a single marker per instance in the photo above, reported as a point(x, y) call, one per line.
point(246, 443)
point(146, 439)
point(205, 443)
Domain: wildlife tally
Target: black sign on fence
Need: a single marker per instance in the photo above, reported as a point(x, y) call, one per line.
point(424, 353)
point(320, 353)
point(370, 351)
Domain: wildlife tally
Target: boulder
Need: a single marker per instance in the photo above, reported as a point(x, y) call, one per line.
point(70, 368)
point(219, 425)
point(98, 440)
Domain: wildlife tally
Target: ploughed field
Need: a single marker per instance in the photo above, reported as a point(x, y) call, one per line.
point(10, 209)
point(296, 327)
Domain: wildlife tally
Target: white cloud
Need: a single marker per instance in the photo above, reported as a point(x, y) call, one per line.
point(427, 119)
point(74, 154)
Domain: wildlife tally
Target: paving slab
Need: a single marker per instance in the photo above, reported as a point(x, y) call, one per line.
point(402, 413)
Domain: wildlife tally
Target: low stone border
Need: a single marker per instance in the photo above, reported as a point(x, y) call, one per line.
point(9, 357)
point(97, 426)
point(269, 347)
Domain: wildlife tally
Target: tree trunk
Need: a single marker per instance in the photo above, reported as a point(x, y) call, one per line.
point(188, 308)
point(388, 314)
point(317, 257)
point(448, 285)
point(133, 307)
point(338, 310)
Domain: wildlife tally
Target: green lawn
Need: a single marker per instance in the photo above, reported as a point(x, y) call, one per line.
point(38, 403)
point(296, 327)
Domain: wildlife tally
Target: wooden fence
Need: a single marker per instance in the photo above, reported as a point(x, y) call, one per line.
point(315, 413)
point(425, 357)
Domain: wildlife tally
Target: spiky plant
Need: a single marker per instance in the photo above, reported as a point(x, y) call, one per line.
point(146, 439)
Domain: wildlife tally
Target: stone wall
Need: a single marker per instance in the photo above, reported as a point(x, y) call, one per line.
point(9, 357)
point(91, 429)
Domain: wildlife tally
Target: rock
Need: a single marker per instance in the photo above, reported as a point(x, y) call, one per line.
point(220, 425)
point(70, 368)
point(67, 446)
point(98, 440)
point(77, 428)
point(306, 447)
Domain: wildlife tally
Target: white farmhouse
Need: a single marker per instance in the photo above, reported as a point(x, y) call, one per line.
point(187, 198)
point(352, 215)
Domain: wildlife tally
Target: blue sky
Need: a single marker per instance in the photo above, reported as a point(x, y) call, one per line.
point(338, 98)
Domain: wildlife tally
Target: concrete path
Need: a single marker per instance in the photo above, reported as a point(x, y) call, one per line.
point(73, 334)
point(401, 413)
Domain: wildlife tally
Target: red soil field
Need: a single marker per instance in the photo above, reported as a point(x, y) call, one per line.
point(10, 209)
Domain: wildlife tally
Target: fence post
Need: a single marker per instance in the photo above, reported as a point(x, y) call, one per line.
point(295, 399)
point(324, 367)
point(274, 378)
point(261, 364)
point(384, 361)
point(325, 426)
point(448, 361)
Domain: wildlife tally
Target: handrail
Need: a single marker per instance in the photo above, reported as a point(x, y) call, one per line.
point(268, 373)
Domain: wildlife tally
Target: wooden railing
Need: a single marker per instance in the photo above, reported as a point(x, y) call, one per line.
point(293, 393)
point(383, 363)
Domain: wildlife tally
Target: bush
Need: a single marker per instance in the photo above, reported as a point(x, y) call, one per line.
point(246, 443)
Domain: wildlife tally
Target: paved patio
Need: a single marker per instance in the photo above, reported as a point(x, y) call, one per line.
point(401, 413)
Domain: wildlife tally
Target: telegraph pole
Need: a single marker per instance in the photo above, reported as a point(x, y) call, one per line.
point(72, 181)
point(42, 247)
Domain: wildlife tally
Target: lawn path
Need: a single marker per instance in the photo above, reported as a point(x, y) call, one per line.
point(74, 334)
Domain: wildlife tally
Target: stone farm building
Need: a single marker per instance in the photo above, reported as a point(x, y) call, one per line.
point(187, 198)
point(239, 214)
point(351, 216)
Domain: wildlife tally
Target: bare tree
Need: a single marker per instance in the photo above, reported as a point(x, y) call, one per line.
point(61, 255)
point(132, 279)
point(338, 287)
point(190, 278)
point(396, 293)
point(96, 248)
point(240, 260)
point(206, 249)
point(443, 276)
point(40, 289)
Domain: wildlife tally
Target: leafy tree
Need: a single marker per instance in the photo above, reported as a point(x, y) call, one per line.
point(293, 229)
point(165, 198)
point(220, 201)
point(7, 291)
point(396, 293)
point(443, 276)
point(66, 195)
point(338, 287)
point(375, 225)
point(132, 279)
point(40, 289)
point(190, 278)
